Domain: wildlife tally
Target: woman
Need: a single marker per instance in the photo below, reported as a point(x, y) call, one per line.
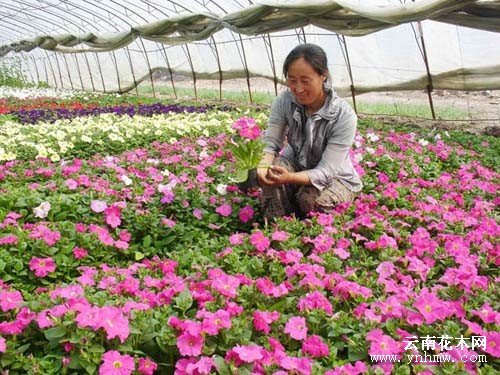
point(314, 173)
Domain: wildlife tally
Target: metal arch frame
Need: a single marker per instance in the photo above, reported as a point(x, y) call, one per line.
point(79, 71)
point(96, 55)
point(48, 56)
point(163, 53)
point(244, 59)
point(41, 30)
point(144, 48)
point(96, 15)
point(215, 50)
point(70, 19)
point(162, 46)
point(60, 26)
point(345, 52)
point(430, 87)
point(66, 19)
point(129, 25)
point(270, 56)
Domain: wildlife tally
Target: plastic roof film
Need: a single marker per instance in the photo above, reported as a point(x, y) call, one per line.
point(380, 45)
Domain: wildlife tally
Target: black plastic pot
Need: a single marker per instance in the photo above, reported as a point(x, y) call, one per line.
point(250, 182)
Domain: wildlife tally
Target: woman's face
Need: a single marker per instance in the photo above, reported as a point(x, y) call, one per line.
point(306, 84)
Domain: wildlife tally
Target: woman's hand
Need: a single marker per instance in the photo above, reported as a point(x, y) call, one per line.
point(277, 175)
point(262, 175)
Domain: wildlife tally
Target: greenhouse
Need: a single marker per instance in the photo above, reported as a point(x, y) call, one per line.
point(249, 187)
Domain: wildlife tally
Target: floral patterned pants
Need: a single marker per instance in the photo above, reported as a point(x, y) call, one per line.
point(283, 200)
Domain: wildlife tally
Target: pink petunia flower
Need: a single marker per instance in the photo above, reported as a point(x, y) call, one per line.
point(296, 327)
point(79, 252)
point(248, 353)
point(263, 319)
point(9, 239)
point(431, 307)
point(98, 206)
point(116, 364)
point(296, 365)
point(197, 213)
point(147, 366)
point(246, 214)
point(226, 285)
point(383, 344)
point(3, 347)
point(315, 347)
point(113, 216)
point(202, 367)
point(214, 322)
point(225, 210)
point(279, 235)
point(71, 184)
point(315, 300)
point(189, 344)
point(10, 300)
point(42, 266)
point(112, 320)
point(260, 241)
point(237, 238)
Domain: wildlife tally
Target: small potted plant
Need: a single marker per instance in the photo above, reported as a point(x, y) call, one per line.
point(246, 148)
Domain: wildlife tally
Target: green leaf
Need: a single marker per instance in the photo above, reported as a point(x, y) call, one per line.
point(146, 242)
point(184, 300)
point(221, 365)
point(22, 348)
point(241, 175)
point(125, 348)
point(75, 362)
point(55, 333)
point(139, 255)
point(96, 349)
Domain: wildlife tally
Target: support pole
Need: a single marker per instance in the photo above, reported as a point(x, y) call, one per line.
point(219, 66)
point(100, 72)
point(190, 60)
point(59, 70)
point(273, 63)
point(117, 72)
point(429, 77)
point(349, 69)
point(67, 69)
point(36, 70)
point(46, 72)
point(246, 70)
point(149, 67)
point(127, 51)
point(52, 69)
point(90, 72)
point(79, 72)
point(169, 70)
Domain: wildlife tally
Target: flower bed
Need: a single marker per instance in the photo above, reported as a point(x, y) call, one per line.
point(146, 259)
point(108, 133)
point(32, 116)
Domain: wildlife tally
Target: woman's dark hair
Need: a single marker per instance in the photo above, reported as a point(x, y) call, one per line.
point(313, 54)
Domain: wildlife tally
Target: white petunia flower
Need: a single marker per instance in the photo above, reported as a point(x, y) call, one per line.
point(423, 142)
point(42, 210)
point(370, 150)
point(372, 137)
point(222, 189)
point(126, 180)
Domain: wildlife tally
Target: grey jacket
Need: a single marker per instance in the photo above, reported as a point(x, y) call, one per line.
point(318, 144)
